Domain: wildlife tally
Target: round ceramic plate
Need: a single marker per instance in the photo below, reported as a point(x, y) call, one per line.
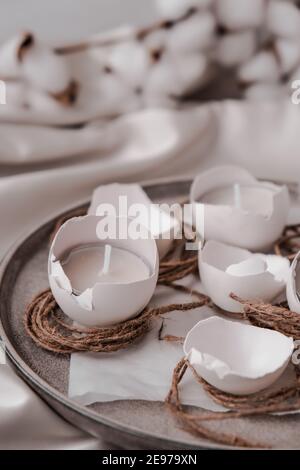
point(126, 424)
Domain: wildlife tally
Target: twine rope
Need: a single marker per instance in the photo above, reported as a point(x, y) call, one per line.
point(48, 328)
point(284, 400)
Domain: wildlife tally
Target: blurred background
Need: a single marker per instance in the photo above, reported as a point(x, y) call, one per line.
point(70, 20)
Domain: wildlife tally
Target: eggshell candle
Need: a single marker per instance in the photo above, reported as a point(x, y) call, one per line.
point(237, 358)
point(99, 280)
point(92, 264)
point(251, 215)
point(293, 285)
point(162, 225)
point(226, 269)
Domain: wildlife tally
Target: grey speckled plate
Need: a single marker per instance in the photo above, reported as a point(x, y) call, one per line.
point(127, 424)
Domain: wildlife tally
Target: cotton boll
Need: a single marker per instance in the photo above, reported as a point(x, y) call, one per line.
point(161, 80)
point(265, 91)
point(195, 33)
point(177, 75)
point(116, 97)
point(16, 93)
point(236, 48)
point(173, 9)
point(154, 99)
point(192, 71)
point(131, 61)
point(283, 19)
point(46, 70)
point(12, 54)
point(288, 52)
point(239, 14)
point(262, 67)
point(41, 101)
point(156, 40)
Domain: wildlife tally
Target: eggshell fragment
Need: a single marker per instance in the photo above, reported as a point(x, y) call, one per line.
point(226, 269)
point(104, 304)
point(255, 231)
point(250, 266)
point(163, 226)
point(237, 358)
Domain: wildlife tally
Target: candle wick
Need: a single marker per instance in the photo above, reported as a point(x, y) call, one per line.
point(237, 196)
point(107, 258)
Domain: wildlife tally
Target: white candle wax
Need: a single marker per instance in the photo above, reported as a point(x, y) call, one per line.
point(88, 265)
point(250, 198)
point(238, 209)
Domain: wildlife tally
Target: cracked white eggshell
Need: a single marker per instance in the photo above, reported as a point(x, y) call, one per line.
point(240, 14)
point(232, 225)
point(226, 269)
point(173, 9)
point(237, 358)
point(110, 193)
point(293, 285)
point(104, 304)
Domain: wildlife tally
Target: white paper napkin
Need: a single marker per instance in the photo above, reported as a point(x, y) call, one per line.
point(143, 371)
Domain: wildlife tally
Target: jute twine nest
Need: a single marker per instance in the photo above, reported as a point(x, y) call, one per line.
point(50, 330)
